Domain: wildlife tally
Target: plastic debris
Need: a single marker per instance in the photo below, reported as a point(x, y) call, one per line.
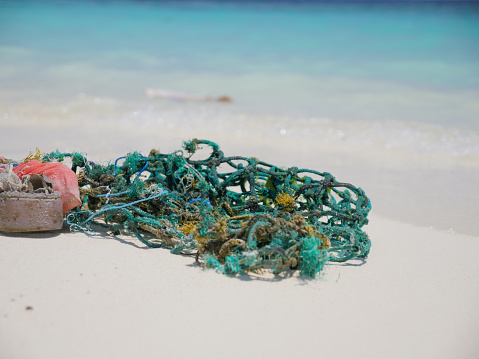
point(64, 180)
point(29, 204)
point(234, 214)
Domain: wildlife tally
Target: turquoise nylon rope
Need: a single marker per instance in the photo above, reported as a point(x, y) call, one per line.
point(248, 217)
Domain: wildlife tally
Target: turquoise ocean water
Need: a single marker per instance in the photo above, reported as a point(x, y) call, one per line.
point(382, 94)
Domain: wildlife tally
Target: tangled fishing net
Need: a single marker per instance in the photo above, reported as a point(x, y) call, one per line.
point(234, 214)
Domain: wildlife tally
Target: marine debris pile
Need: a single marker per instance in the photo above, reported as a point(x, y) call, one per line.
point(234, 214)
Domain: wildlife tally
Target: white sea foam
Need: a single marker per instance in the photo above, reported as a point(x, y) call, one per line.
point(332, 135)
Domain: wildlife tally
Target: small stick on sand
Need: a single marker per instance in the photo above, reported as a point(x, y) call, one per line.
point(180, 96)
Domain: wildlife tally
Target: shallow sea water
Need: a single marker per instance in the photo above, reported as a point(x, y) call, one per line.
point(381, 95)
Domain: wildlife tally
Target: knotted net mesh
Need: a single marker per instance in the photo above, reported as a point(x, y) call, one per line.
point(234, 214)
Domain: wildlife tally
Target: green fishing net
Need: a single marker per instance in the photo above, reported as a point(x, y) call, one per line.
point(234, 214)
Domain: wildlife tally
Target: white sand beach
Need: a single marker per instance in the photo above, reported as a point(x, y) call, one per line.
point(67, 295)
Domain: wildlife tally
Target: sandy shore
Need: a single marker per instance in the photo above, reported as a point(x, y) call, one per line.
point(67, 295)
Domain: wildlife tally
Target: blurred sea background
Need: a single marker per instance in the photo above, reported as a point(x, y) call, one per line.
point(384, 95)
